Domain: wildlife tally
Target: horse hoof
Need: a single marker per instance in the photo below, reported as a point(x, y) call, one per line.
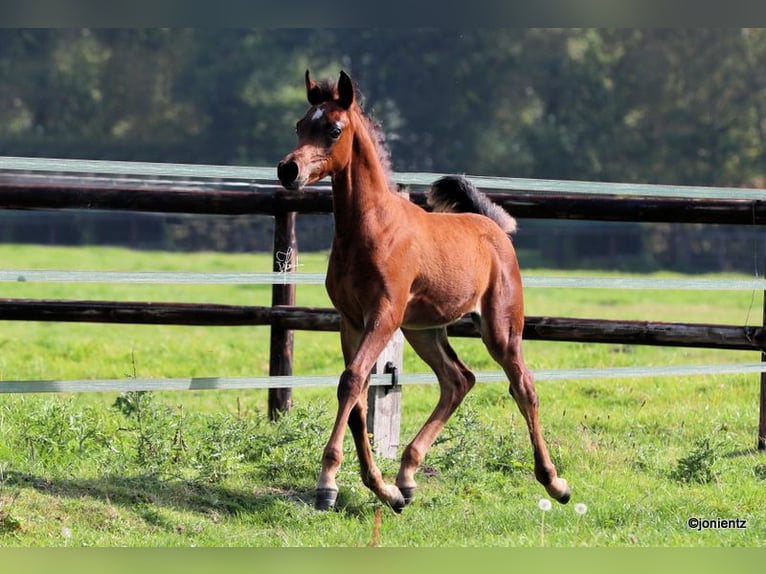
point(398, 501)
point(559, 490)
point(408, 492)
point(397, 507)
point(325, 498)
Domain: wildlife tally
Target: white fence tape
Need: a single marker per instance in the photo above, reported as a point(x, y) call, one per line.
point(540, 282)
point(233, 383)
point(269, 174)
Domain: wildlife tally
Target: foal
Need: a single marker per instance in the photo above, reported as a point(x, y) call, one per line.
point(394, 265)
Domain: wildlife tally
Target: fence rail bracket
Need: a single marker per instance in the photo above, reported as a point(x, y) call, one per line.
point(391, 369)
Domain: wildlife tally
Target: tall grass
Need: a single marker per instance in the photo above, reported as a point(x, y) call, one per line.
point(207, 468)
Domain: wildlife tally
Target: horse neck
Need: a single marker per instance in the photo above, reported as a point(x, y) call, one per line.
point(360, 189)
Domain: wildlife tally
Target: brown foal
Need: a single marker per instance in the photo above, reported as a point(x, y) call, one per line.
point(395, 265)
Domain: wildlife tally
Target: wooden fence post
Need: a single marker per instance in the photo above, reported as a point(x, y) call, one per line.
point(281, 346)
point(762, 420)
point(384, 403)
point(762, 416)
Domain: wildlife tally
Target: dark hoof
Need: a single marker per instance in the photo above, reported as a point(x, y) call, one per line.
point(408, 492)
point(564, 498)
point(325, 498)
point(397, 508)
point(398, 503)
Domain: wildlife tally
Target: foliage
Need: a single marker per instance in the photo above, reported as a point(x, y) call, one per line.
point(698, 465)
point(156, 430)
point(567, 103)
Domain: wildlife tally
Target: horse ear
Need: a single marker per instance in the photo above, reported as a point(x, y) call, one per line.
point(313, 93)
point(345, 91)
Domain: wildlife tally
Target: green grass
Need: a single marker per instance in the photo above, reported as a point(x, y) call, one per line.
point(207, 469)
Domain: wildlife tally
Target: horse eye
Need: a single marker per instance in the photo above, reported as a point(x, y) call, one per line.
point(335, 132)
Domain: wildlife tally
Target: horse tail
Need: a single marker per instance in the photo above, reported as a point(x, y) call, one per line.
point(456, 194)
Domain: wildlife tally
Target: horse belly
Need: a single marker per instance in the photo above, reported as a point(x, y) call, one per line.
point(427, 310)
point(425, 319)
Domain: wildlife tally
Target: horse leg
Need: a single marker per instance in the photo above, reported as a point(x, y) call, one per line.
point(357, 422)
point(504, 344)
point(352, 410)
point(455, 380)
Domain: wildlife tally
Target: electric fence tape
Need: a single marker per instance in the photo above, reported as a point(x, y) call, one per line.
point(123, 168)
point(540, 282)
point(295, 382)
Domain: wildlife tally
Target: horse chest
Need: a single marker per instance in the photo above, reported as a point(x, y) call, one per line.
point(358, 283)
point(348, 278)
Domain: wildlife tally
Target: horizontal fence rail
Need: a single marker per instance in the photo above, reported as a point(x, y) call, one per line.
point(240, 190)
point(269, 200)
point(322, 319)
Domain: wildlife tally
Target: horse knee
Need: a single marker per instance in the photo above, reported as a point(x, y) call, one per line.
point(332, 457)
point(522, 386)
point(350, 385)
point(470, 379)
point(412, 456)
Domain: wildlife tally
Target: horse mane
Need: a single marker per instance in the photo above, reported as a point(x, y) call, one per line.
point(328, 91)
point(378, 138)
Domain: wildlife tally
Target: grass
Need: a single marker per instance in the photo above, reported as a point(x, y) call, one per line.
point(207, 469)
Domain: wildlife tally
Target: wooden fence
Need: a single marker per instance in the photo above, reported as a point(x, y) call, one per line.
point(19, 190)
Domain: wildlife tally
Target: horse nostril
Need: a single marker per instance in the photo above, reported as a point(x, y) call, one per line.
point(287, 172)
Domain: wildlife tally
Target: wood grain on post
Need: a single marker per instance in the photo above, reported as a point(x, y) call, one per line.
point(281, 345)
point(384, 403)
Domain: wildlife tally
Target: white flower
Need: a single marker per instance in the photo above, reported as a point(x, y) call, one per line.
point(544, 504)
point(580, 508)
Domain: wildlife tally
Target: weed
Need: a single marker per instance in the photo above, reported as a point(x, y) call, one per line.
point(156, 449)
point(57, 429)
point(697, 466)
point(545, 506)
point(462, 445)
point(291, 452)
point(130, 403)
point(580, 510)
point(8, 522)
point(644, 457)
point(220, 448)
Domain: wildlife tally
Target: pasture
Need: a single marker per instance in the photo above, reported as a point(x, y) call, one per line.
point(206, 468)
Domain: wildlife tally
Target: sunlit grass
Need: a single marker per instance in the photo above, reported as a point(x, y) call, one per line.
point(206, 468)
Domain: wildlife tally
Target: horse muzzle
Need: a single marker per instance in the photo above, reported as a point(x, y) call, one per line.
point(288, 172)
